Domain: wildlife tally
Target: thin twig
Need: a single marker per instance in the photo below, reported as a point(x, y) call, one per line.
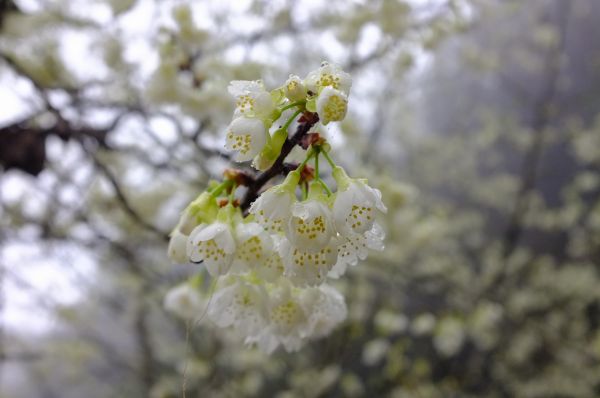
point(125, 202)
point(539, 124)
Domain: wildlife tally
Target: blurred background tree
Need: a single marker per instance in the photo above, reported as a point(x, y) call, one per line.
point(478, 120)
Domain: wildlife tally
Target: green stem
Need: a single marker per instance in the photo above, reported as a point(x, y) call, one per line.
point(232, 193)
point(293, 104)
point(328, 158)
point(325, 187)
point(309, 155)
point(318, 151)
point(304, 191)
point(216, 191)
point(290, 120)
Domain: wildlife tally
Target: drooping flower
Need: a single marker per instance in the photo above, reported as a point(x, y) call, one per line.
point(355, 203)
point(287, 322)
point(305, 266)
point(273, 207)
point(240, 304)
point(214, 244)
point(252, 99)
point(297, 315)
point(355, 246)
point(332, 105)
point(326, 308)
point(202, 210)
point(253, 247)
point(247, 137)
point(294, 88)
point(310, 226)
point(271, 269)
point(310, 248)
point(177, 247)
point(328, 75)
point(184, 301)
point(354, 212)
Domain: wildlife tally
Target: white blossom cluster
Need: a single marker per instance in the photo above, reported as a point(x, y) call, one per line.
point(271, 264)
point(324, 91)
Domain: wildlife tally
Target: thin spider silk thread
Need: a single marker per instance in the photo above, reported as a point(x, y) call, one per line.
point(188, 327)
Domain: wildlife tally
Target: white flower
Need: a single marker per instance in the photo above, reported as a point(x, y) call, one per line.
point(287, 322)
point(214, 245)
point(246, 136)
point(328, 75)
point(271, 269)
point(254, 247)
point(202, 209)
point(252, 100)
point(240, 304)
point(296, 315)
point(375, 237)
point(273, 207)
point(305, 266)
point(184, 301)
point(355, 247)
point(177, 247)
point(355, 204)
point(310, 227)
point(326, 308)
point(354, 216)
point(294, 89)
point(332, 105)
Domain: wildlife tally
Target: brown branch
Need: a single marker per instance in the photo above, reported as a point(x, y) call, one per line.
point(41, 90)
point(147, 359)
point(539, 124)
point(125, 202)
point(307, 121)
point(7, 7)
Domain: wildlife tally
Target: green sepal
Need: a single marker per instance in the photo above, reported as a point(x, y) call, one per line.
point(291, 182)
point(317, 192)
point(277, 140)
point(226, 214)
point(212, 184)
point(275, 115)
point(265, 158)
point(271, 150)
point(341, 178)
point(203, 209)
point(311, 104)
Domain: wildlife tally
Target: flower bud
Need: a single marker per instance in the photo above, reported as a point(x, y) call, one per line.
point(294, 89)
